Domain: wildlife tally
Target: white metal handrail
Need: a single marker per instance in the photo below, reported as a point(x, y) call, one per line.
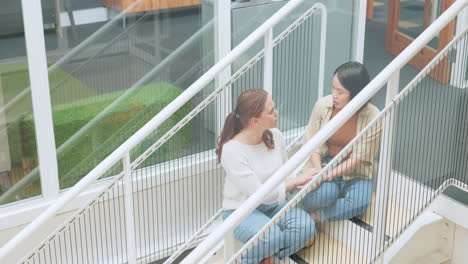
point(120, 153)
point(389, 74)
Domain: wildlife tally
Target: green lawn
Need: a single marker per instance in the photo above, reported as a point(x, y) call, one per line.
point(74, 105)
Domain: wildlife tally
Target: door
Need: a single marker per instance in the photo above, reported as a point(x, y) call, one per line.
point(406, 20)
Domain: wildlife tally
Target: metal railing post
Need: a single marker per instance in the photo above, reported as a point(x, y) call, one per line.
point(40, 94)
point(393, 85)
point(459, 79)
point(222, 30)
point(323, 43)
point(129, 216)
point(385, 168)
point(224, 105)
point(268, 62)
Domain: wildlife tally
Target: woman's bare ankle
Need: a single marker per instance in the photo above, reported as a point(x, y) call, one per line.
point(314, 216)
point(268, 260)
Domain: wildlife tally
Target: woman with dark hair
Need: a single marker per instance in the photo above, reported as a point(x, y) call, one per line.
point(348, 189)
point(251, 150)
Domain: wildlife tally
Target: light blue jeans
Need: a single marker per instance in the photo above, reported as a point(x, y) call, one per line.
point(292, 232)
point(339, 199)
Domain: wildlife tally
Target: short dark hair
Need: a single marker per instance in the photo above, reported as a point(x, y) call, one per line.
point(353, 76)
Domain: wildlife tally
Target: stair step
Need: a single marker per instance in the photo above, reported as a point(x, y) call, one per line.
point(335, 252)
point(433, 258)
point(327, 249)
point(393, 224)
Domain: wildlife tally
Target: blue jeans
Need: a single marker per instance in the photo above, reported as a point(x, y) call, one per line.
point(339, 199)
point(292, 232)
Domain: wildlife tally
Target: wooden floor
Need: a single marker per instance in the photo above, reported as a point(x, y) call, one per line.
point(397, 216)
point(326, 249)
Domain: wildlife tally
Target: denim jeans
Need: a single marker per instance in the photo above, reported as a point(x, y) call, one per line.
point(292, 232)
point(339, 199)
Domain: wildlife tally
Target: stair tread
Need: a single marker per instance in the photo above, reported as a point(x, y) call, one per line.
point(393, 224)
point(327, 249)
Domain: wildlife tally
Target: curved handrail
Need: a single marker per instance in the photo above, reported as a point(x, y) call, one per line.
point(153, 124)
point(328, 130)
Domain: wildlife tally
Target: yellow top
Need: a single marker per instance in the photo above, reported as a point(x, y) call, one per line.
point(364, 150)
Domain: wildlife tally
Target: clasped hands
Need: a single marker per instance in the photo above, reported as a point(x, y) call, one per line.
point(306, 176)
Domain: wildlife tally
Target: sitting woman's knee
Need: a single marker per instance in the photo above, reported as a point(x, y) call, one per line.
point(359, 206)
point(304, 224)
point(308, 228)
point(324, 196)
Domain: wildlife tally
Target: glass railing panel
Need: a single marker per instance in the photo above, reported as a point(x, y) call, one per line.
point(296, 74)
point(428, 125)
point(132, 63)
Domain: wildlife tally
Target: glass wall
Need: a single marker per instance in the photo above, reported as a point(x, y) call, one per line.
point(116, 71)
point(18, 152)
point(113, 65)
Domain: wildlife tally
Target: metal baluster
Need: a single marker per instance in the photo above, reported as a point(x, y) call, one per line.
point(268, 62)
point(385, 167)
point(129, 216)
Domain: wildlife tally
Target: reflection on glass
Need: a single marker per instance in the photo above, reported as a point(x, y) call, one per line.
point(114, 70)
point(416, 16)
point(296, 68)
point(411, 17)
point(18, 153)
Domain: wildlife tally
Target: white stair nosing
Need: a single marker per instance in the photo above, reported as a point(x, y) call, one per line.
point(424, 219)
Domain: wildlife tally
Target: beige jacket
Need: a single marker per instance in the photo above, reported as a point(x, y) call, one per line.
point(365, 149)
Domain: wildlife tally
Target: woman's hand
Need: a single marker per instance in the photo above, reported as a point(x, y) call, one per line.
point(346, 167)
point(306, 176)
point(329, 176)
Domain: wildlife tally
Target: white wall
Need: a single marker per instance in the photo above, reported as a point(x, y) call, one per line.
point(460, 246)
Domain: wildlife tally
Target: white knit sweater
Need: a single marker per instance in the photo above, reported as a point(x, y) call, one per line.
point(247, 167)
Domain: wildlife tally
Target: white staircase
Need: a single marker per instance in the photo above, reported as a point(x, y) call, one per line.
point(175, 205)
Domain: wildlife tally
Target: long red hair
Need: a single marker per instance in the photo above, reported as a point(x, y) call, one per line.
point(250, 103)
